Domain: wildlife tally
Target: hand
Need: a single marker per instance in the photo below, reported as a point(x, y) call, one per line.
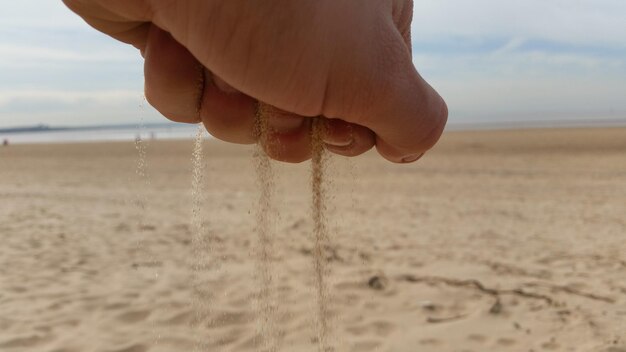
point(348, 61)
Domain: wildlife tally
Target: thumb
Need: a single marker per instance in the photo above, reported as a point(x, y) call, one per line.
point(390, 98)
point(408, 119)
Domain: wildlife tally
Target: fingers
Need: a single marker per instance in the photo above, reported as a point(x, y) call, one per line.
point(173, 77)
point(368, 81)
point(347, 139)
point(402, 17)
point(407, 114)
point(180, 89)
point(414, 121)
point(283, 135)
point(288, 136)
point(415, 113)
point(383, 92)
point(227, 115)
point(415, 105)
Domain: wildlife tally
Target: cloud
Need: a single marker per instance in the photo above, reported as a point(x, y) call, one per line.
point(29, 107)
point(490, 59)
point(14, 54)
point(504, 60)
point(510, 97)
point(596, 22)
point(37, 14)
point(518, 62)
point(68, 97)
point(53, 55)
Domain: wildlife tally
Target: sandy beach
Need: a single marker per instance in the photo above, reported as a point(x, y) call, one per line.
point(495, 241)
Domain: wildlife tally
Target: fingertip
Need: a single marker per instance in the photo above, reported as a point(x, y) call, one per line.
point(283, 135)
point(407, 115)
point(393, 154)
point(418, 132)
point(173, 79)
point(347, 139)
point(228, 116)
point(282, 122)
point(412, 158)
point(291, 147)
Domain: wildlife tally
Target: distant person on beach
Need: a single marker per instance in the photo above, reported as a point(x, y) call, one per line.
point(5, 142)
point(349, 61)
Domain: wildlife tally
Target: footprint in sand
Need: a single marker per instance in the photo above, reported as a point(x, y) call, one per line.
point(505, 341)
point(356, 330)
point(238, 302)
point(182, 318)
point(615, 349)
point(477, 338)
point(230, 337)
point(353, 298)
point(29, 341)
point(379, 328)
point(17, 289)
point(550, 345)
point(365, 346)
point(116, 306)
point(132, 348)
point(250, 343)
point(371, 306)
point(430, 342)
point(134, 317)
point(383, 328)
point(223, 319)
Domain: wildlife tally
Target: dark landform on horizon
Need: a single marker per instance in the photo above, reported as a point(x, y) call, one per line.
point(48, 128)
point(452, 126)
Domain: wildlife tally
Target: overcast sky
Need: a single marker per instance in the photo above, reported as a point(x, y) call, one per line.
point(492, 60)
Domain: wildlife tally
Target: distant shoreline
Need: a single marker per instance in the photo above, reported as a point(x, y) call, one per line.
point(452, 126)
point(160, 131)
point(107, 133)
point(46, 128)
point(534, 124)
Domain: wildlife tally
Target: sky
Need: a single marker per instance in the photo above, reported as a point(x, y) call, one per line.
point(492, 60)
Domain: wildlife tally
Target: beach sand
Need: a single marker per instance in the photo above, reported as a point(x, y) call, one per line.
point(495, 241)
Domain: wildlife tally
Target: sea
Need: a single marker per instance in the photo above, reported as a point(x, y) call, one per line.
point(170, 130)
point(44, 134)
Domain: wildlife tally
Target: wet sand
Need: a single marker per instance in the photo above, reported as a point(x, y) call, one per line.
point(494, 241)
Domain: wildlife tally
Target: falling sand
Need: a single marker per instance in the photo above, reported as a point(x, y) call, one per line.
point(320, 234)
point(200, 243)
point(143, 185)
point(140, 200)
point(145, 257)
point(141, 168)
point(270, 332)
point(267, 314)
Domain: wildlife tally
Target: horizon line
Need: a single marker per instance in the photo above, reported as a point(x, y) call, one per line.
point(451, 126)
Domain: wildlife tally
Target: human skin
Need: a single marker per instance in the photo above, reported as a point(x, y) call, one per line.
point(346, 61)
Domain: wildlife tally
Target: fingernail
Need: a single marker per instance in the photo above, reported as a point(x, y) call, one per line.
point(412, 158)
point(340, 144)
point(284, 124)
